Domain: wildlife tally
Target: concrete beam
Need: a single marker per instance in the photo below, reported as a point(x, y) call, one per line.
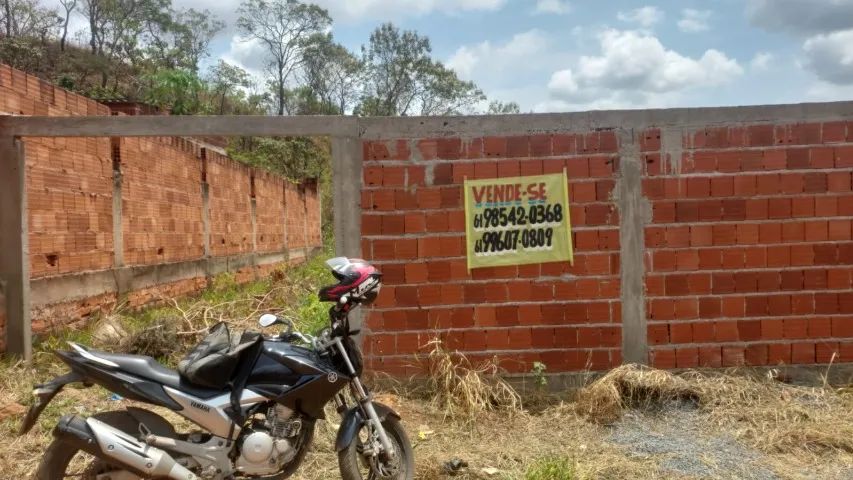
point(522, 124)
point(634, 213)
point(14, 245)
point(413, 127)
point(166, 126)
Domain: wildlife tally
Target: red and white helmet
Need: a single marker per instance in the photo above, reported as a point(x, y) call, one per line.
point(358, 280)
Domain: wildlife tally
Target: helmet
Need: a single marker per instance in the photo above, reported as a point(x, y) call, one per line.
point(357, 280)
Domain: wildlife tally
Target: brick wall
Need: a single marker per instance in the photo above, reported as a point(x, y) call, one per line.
point(749, 253)
point(70, 189)
point(313, 223)
point(748, 256)
point(69, 180)
point(161, 201)
point(230, 206)
point(567, 316)
point(269, 212)
point(294, 200)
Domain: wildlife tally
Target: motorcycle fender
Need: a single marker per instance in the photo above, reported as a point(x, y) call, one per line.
point(44, 393)
point(352, 421)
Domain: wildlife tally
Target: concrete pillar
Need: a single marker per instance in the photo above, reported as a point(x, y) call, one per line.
point(284, 220)
point(306, 248)
point(118, 231)
point(14, 245)
point(347, 160)
point(205, 213)
point(347, 183)
point(254, 204)
point(205, 216)
point(634, 214)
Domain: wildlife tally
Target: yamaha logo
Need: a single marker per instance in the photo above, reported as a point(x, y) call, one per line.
point(200, 406)
point(333, 377)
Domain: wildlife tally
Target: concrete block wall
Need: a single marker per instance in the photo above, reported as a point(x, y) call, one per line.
point(749, 253)
point(720, 245)
point(153, 200)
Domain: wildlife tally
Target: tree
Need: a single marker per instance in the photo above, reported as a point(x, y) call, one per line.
point(496, 107)
point(224, 78)
point(117, 26)
point(297, 158)
point(26, 18)
point(332, 73)
point(195, 31)
point(282, 27)
point(69, 6)
point(175, 90)
point(402, 78)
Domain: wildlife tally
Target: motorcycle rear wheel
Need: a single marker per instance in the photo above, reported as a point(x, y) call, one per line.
point(61, 461)
point(355, 466)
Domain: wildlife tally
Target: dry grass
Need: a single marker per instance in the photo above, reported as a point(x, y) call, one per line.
point(631, 386)
point(462, 390)
point(771, 415)
point(467, 411)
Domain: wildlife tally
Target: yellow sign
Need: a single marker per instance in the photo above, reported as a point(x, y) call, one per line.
point(518, 220)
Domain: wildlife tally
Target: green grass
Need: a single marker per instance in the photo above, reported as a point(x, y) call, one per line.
point(551, 468)
point(291, 291)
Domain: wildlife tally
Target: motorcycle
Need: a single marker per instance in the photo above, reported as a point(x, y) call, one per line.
point(255, 400)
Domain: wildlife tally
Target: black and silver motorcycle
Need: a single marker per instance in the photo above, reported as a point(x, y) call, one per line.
point(255, 398)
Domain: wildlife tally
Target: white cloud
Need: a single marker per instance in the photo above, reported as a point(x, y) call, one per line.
point(761, 61)
point(353, 10)
point(801, 16)
point(634, 69)
point(644, 16)
point(248, 54)
point(693, 21)
point(557, 7)
point(521, 49)
point(830, 56)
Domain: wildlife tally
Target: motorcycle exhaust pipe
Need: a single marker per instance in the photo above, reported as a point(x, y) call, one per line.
point(104, 441)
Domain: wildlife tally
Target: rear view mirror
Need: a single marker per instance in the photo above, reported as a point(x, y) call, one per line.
point(268, 320)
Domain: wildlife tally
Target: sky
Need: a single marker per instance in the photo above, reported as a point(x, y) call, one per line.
point(575, 55)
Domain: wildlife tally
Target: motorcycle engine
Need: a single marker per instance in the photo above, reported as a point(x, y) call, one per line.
point(266, 447)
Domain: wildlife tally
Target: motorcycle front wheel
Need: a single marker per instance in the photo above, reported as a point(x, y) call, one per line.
point(355, 465)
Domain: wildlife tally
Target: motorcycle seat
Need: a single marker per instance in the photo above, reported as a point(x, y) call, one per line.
point(150, 369)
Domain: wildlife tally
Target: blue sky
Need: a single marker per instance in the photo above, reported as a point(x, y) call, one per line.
point(570, 55)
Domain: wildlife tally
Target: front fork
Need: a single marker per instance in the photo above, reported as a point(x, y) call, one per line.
point(364, 399)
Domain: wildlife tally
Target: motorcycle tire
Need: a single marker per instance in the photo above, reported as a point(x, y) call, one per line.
point(351, 462)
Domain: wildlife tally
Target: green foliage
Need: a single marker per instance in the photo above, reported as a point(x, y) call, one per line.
point(539, 377)
point(496, 107)
point(175, 90)
point(332, 74)
point(551, 468)
point(294, 157)
point(224, 82)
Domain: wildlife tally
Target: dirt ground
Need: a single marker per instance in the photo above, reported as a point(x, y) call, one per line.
point(672, 438)
point(632, 423)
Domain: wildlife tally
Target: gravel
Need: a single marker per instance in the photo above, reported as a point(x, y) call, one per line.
point(684, 450)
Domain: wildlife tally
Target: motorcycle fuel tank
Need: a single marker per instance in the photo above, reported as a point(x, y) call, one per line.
point(296, 377)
